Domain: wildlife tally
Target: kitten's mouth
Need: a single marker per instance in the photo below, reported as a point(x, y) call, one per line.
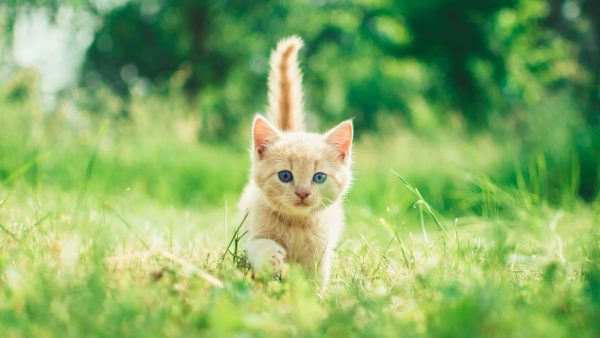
point(302, 203)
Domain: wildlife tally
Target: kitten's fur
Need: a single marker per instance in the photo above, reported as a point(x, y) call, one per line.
point(280, 227)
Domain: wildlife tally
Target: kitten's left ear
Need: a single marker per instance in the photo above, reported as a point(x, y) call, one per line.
point(341, 137)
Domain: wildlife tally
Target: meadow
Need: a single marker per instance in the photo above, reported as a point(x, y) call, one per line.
point(127, 228)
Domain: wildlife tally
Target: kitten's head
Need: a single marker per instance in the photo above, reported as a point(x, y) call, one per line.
point(298, 172)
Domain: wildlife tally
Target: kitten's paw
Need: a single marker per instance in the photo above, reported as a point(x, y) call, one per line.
point(267, 258)
point(279, 266)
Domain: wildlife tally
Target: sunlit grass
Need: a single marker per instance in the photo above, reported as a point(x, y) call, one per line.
point(101, 272)
point(121, 228)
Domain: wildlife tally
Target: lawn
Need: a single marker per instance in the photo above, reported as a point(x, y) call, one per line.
point(116, 228)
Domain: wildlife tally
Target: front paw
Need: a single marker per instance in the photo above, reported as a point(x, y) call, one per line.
point(279, 267)
point(267, 258)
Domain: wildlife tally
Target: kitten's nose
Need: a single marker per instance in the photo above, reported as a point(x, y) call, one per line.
point(302, 194)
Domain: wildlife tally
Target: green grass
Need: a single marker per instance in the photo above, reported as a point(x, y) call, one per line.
point(111, 228)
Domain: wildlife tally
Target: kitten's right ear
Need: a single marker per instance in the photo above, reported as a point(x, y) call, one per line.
point(263, 133)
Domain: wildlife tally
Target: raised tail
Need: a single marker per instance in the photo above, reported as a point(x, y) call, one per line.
point(285, 85)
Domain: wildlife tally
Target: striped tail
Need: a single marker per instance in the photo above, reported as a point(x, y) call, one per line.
point(285, 85)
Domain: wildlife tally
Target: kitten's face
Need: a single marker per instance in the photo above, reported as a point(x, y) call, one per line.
point(300, 173)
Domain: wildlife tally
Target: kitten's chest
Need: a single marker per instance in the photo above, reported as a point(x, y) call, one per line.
point(305, 245)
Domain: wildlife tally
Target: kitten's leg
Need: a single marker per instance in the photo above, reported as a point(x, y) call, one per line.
point(325, 273)
point(266, 256)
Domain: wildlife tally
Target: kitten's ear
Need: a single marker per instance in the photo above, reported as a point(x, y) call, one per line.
point(263, 133)
point(341, 137)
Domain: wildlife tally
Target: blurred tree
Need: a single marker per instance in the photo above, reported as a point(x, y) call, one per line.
point(579, 22)
point(451, 36)
point(154, 40)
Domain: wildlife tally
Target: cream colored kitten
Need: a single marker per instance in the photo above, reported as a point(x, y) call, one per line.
point(298, 178)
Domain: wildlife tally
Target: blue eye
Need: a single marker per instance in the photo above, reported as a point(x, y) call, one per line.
point(285, 176)
point(319, 177)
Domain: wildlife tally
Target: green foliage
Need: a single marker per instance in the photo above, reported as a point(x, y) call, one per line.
point(491, 64)
point(517, 68)
point(470, 54)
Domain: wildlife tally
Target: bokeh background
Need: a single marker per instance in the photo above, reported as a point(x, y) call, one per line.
point(524, 73)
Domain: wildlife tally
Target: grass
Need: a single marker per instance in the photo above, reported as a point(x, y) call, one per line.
point(120, 229)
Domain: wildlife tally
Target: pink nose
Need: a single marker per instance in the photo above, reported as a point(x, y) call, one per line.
point(302, 194)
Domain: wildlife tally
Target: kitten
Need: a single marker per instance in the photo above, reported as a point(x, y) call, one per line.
point(297, 181)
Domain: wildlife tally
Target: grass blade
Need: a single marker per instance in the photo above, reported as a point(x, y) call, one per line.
point(423, 203)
